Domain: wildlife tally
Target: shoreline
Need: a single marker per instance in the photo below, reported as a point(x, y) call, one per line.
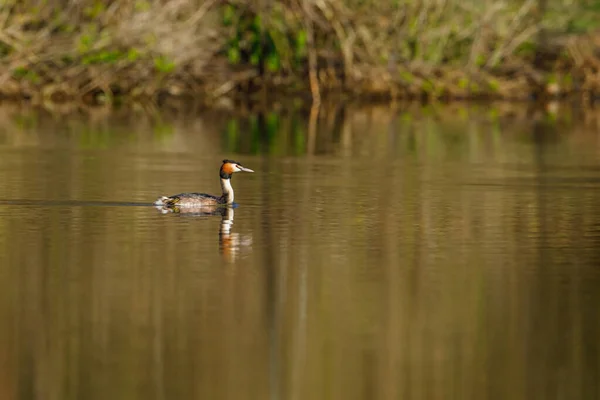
point(268, 100)
point(551, 111)
point(442, 85)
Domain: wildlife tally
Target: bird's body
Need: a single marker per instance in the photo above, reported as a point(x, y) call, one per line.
point(199, 200)
point(193, 200)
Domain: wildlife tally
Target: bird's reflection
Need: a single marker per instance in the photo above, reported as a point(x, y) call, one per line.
point(230, 244)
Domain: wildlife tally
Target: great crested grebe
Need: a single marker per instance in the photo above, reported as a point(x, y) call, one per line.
point(196, 200)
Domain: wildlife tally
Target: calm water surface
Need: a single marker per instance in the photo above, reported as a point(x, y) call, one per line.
point(422, 253)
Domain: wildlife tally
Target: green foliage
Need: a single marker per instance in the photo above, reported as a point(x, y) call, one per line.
point(480, 60)
point(229, 15)
point(95, 9)
point(65, 27)
point(527, 49)
point(88, 37)
point(270, 40)
point(273, 62)
point(110, 56)
point(4, 49)
point(428, 86)
point(494, 85)
point(300, 41)
point(234, 54)
point(406, 76)
point(587, 19)
point(26, 74)
point(163, 64)
point(103, 57)
point(142, 5)
point(133, 55)
point(94, 47)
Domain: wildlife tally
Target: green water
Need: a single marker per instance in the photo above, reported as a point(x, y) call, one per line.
point(446, 252)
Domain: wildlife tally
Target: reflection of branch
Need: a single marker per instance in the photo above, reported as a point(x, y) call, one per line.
point(312, 128)
point(312, 55)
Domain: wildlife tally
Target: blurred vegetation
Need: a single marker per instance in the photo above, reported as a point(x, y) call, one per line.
point(98, 51)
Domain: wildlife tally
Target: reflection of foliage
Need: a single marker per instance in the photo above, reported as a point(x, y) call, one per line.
point(161, 129)
point(264, 133)
point(271, 133)
point(430, 131)
point(26, 121)
point(232, 136)
point(95, 138)
point(82, 131)
point(299, 143)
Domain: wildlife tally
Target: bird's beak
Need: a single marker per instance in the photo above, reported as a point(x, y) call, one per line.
point(245, 169)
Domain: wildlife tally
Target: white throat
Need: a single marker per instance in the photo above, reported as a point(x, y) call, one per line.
point(227, 190)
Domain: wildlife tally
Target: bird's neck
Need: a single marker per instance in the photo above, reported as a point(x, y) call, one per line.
point(227, 190)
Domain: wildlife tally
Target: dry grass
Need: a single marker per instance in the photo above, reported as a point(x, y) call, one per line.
point(94, 50)
point(69, 48)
